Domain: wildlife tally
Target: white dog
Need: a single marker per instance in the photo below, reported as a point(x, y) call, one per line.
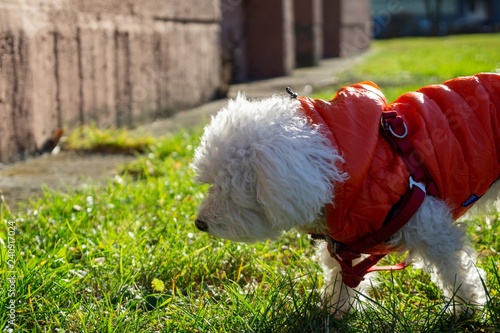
point(368, 177)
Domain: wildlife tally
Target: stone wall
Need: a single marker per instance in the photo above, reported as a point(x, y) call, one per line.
point(270, 41)
point(65, 63)
point(356, 26)
point(263, 39)
point(308, 15)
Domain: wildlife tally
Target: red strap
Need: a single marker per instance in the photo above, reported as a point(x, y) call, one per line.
point(409, 205)
point(399, 266)
point(353, 275)
point(395, 132)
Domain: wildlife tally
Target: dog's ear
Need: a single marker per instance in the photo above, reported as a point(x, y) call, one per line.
point(294, 177)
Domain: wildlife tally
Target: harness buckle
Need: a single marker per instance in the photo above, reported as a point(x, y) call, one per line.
point(420, 185)
point(333, 246)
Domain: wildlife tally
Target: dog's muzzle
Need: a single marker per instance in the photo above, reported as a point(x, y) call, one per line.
point(201, 225)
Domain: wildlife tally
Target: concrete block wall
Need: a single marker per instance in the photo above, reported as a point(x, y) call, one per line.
point(308, 15)
point(356, 26)
point(65, 63)
point(270, 41)
point(263, 39)
point(331, 28)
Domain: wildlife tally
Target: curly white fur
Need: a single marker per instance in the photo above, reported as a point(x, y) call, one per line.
point(272, 170)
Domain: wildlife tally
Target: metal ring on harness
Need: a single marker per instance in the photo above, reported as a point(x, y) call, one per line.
point(397, 135)
point(388, 127)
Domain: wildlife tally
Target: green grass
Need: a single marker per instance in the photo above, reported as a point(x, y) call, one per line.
point(126, 257)
point(401, 65)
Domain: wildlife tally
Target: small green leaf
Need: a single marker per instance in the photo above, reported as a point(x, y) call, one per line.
point(158, 285)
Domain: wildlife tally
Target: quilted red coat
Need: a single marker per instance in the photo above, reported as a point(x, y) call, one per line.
point(454, 128)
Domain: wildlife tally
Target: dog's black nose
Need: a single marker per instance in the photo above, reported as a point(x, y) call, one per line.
point(201, 225)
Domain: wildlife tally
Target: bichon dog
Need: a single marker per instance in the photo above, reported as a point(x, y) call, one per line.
point(370, 178)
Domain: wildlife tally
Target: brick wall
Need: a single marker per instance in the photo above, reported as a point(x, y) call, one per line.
point(65, 63)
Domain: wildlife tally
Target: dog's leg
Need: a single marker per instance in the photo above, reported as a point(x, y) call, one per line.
point(338, 296)
point(444, 250)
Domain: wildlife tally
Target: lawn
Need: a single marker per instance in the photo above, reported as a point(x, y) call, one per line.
point(126, 257)
point(401, 65)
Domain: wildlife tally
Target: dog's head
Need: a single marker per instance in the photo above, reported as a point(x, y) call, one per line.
point(269, 167)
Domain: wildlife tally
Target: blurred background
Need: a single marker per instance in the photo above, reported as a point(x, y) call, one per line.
point(116, 63)
point(434, 17)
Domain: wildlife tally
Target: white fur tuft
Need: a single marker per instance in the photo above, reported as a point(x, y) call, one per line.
point(270, 168)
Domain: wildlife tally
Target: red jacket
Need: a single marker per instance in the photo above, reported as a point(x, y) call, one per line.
point(454, 128)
